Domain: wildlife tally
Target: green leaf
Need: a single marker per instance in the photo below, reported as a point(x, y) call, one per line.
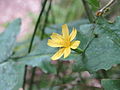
point(85, 35)
point(8, 38)
point(11, 75)
point(112, 29)
point(94, 4)
point(40, 57)
point(40, 61)
point(21, 48)
point(110, 84)
point(102, 53)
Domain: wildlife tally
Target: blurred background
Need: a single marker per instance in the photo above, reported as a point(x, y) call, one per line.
point(62, 11)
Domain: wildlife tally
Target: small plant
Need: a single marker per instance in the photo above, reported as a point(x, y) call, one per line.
point(96, 51)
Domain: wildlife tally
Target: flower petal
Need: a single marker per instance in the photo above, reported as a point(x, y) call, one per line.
point(56, 36)
point(67, 52)
point(75, 44)
point(58, 54)
point(65, 31)
point(54, 43)
point(73, 34)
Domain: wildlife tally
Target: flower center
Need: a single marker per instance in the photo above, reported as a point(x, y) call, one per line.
point(66, 43)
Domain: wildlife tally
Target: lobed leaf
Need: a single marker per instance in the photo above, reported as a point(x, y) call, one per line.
point(8, 38)
point(11, 75)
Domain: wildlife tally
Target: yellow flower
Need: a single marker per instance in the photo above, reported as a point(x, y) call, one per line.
point(63, 41)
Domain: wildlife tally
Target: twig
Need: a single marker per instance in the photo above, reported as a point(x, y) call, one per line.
point(37, 24)
point(102, 10)
point(59, 68)
point(35, 30)
point(108, 5)
point(24, 80)
point(88, 11)
point(32, 78)
point(46, 20)
point(31, 43)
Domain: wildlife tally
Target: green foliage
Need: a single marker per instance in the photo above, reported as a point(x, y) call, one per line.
point(11, 75)
point(7, 40)
point(110, 84)
point(94, 4)
point(40, 57)
point(102, 52)
point(100, 42)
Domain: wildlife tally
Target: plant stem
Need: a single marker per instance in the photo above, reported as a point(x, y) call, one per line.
point(88, 11)
point(31, 43)
point(78, 50)
point(46, 20)
point(32, 78)
point(42, 35)
point(24, 80)
point(36, 26)
point(59, 67)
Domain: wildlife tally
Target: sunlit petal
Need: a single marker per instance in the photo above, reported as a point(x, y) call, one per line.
point(75, 44)
point(67, 52)
point(73, 34)
point(54, 43)
point(58, 54)
point(65, 30)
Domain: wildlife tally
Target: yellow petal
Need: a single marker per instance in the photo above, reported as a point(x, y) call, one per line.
point(56, 36)
point(58, 54)
point(65, 31)
point(75, 44)
point(54, 43)
point(67, 52)
point(73, 34)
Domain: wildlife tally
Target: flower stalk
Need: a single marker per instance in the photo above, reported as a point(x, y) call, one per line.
point(78, 50)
